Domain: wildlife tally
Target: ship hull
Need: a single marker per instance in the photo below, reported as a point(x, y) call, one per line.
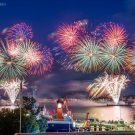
point(60, 126)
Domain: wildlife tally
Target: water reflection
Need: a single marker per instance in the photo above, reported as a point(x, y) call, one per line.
point(107, 113)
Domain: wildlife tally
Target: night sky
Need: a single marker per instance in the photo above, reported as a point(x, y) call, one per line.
point(45, 16)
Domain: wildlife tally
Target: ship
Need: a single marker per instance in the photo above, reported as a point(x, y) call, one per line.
point(63, 122)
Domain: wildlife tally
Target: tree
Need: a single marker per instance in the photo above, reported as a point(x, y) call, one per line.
point(42, 124)
point(28, 103)
point(30, 124)
point(9, 121)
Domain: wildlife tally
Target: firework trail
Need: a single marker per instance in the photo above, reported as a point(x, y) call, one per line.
point(130, 59)
point(114, 84)
point(95, 90)
point(98, 87)
point(63, 58)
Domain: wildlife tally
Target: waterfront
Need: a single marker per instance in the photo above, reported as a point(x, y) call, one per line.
point(98, 110)
point(106, 112)
point(86, 133)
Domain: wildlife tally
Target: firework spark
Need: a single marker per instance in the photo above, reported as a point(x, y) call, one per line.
point(63, 58)
point(113, 58)
point(19, 32)
point(81, 26)
point(12, 88)
point(87, 55)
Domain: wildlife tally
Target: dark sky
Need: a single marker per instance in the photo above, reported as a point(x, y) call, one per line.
point(46, 15)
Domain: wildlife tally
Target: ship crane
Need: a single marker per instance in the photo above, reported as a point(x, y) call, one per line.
point(86, 124)
point(67, 106)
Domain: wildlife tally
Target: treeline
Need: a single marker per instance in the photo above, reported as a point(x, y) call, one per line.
point(32, 120)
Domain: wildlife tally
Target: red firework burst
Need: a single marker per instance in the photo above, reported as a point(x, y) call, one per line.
point(67, 36)
point(114, 34)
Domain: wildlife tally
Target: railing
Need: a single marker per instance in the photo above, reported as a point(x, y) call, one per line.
point(82, 133)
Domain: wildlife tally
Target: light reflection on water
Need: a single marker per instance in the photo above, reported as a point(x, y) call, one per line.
point(107, 113)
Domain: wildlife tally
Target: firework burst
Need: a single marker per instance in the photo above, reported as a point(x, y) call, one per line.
point(130, 60)
point(45, 63)
point(67, 35)
point(28, 57)
point(13, 49)
point(87, 55)
point(113, 34)
point(19, 32)
point(30, 53)
point(10, 67)
point(114, 84)
point(12, 88)
point(113, 58)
